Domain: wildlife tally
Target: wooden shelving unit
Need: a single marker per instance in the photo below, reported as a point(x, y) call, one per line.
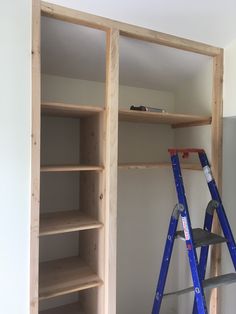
point(156, 165)
point(63, 276)
point(74, 308)
point(66, 221)
point(74, 274)
point(93, 272)
point(174, 119)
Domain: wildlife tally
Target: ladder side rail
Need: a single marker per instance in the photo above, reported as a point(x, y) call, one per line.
point(166, 261)
point(220, 209)
point(198, 289)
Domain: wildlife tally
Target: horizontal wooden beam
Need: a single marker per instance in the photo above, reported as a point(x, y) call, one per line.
point(157, 165)
point(71, 168)
point(132, 31)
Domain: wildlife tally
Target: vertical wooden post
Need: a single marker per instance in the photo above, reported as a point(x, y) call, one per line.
point(217, 107)
point(111, 121)
point(35, 157)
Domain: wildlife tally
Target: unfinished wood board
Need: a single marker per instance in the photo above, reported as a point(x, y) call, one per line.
point(35, 158)
point(74, 308)
point(65, 276)
point(71, 168)
point(174, 119)
point(216, 156)
point(66, 221)
point(153, 165)
point(82, 18)
point(92, 199)
point(111, 108)
point(68, 110)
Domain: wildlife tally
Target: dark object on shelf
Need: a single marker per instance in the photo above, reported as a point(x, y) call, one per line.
point(146, 108)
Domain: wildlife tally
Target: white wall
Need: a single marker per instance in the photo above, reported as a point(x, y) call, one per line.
point(229, 80)
point(228, 301)
point(15, 125)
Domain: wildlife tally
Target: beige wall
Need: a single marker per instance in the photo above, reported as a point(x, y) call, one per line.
point(228, 300)
point(229, 80)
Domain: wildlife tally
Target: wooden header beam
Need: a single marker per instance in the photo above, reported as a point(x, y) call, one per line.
point(128, 30)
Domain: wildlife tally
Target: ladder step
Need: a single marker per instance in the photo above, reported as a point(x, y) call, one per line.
point(202, 237)
point(210, 283)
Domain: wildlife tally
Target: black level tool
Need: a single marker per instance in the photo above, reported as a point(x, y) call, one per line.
point(146, 108)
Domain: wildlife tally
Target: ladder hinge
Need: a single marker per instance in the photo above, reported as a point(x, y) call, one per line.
point(179, 208)
point(212, 205)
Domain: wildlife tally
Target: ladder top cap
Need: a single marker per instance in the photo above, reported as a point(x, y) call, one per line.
point(185, 151)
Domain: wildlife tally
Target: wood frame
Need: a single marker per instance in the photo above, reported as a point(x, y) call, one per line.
point(113, 29)
point(216, 146)
point(35, 158)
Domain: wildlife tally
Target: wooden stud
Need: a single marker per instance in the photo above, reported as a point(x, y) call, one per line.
point(71, 168)
point(91, 247)
point(35, 158)
point(111, 114)
point(156, 165)
point(86, 19)
point(217, 107)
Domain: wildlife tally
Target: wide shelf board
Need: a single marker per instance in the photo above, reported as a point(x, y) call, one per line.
point(68, 110)
point(63, 276)
point(154, 165)
point(73, 308)
point(71, 168)
point(66, 221)
point(174, 119)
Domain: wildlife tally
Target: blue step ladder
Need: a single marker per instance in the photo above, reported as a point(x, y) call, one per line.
point(195, 237)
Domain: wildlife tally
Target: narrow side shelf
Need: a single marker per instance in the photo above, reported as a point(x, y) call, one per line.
point(174, 119)
point(74, 308)
point(66, 221)
point(63, 276)
point(155, 165)
point(71, 168)
point(68, 110)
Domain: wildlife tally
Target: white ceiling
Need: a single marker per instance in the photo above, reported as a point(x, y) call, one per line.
point(79, 52)
point(209, 21)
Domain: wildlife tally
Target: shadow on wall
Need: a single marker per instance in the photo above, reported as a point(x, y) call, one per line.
point(228, 300)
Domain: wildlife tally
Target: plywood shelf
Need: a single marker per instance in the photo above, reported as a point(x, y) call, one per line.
point(174, 119)
point(74, 308)
point(68, 110)
point(65, 276)
point(71, 168)
point(156, 165)
point(66, 221)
